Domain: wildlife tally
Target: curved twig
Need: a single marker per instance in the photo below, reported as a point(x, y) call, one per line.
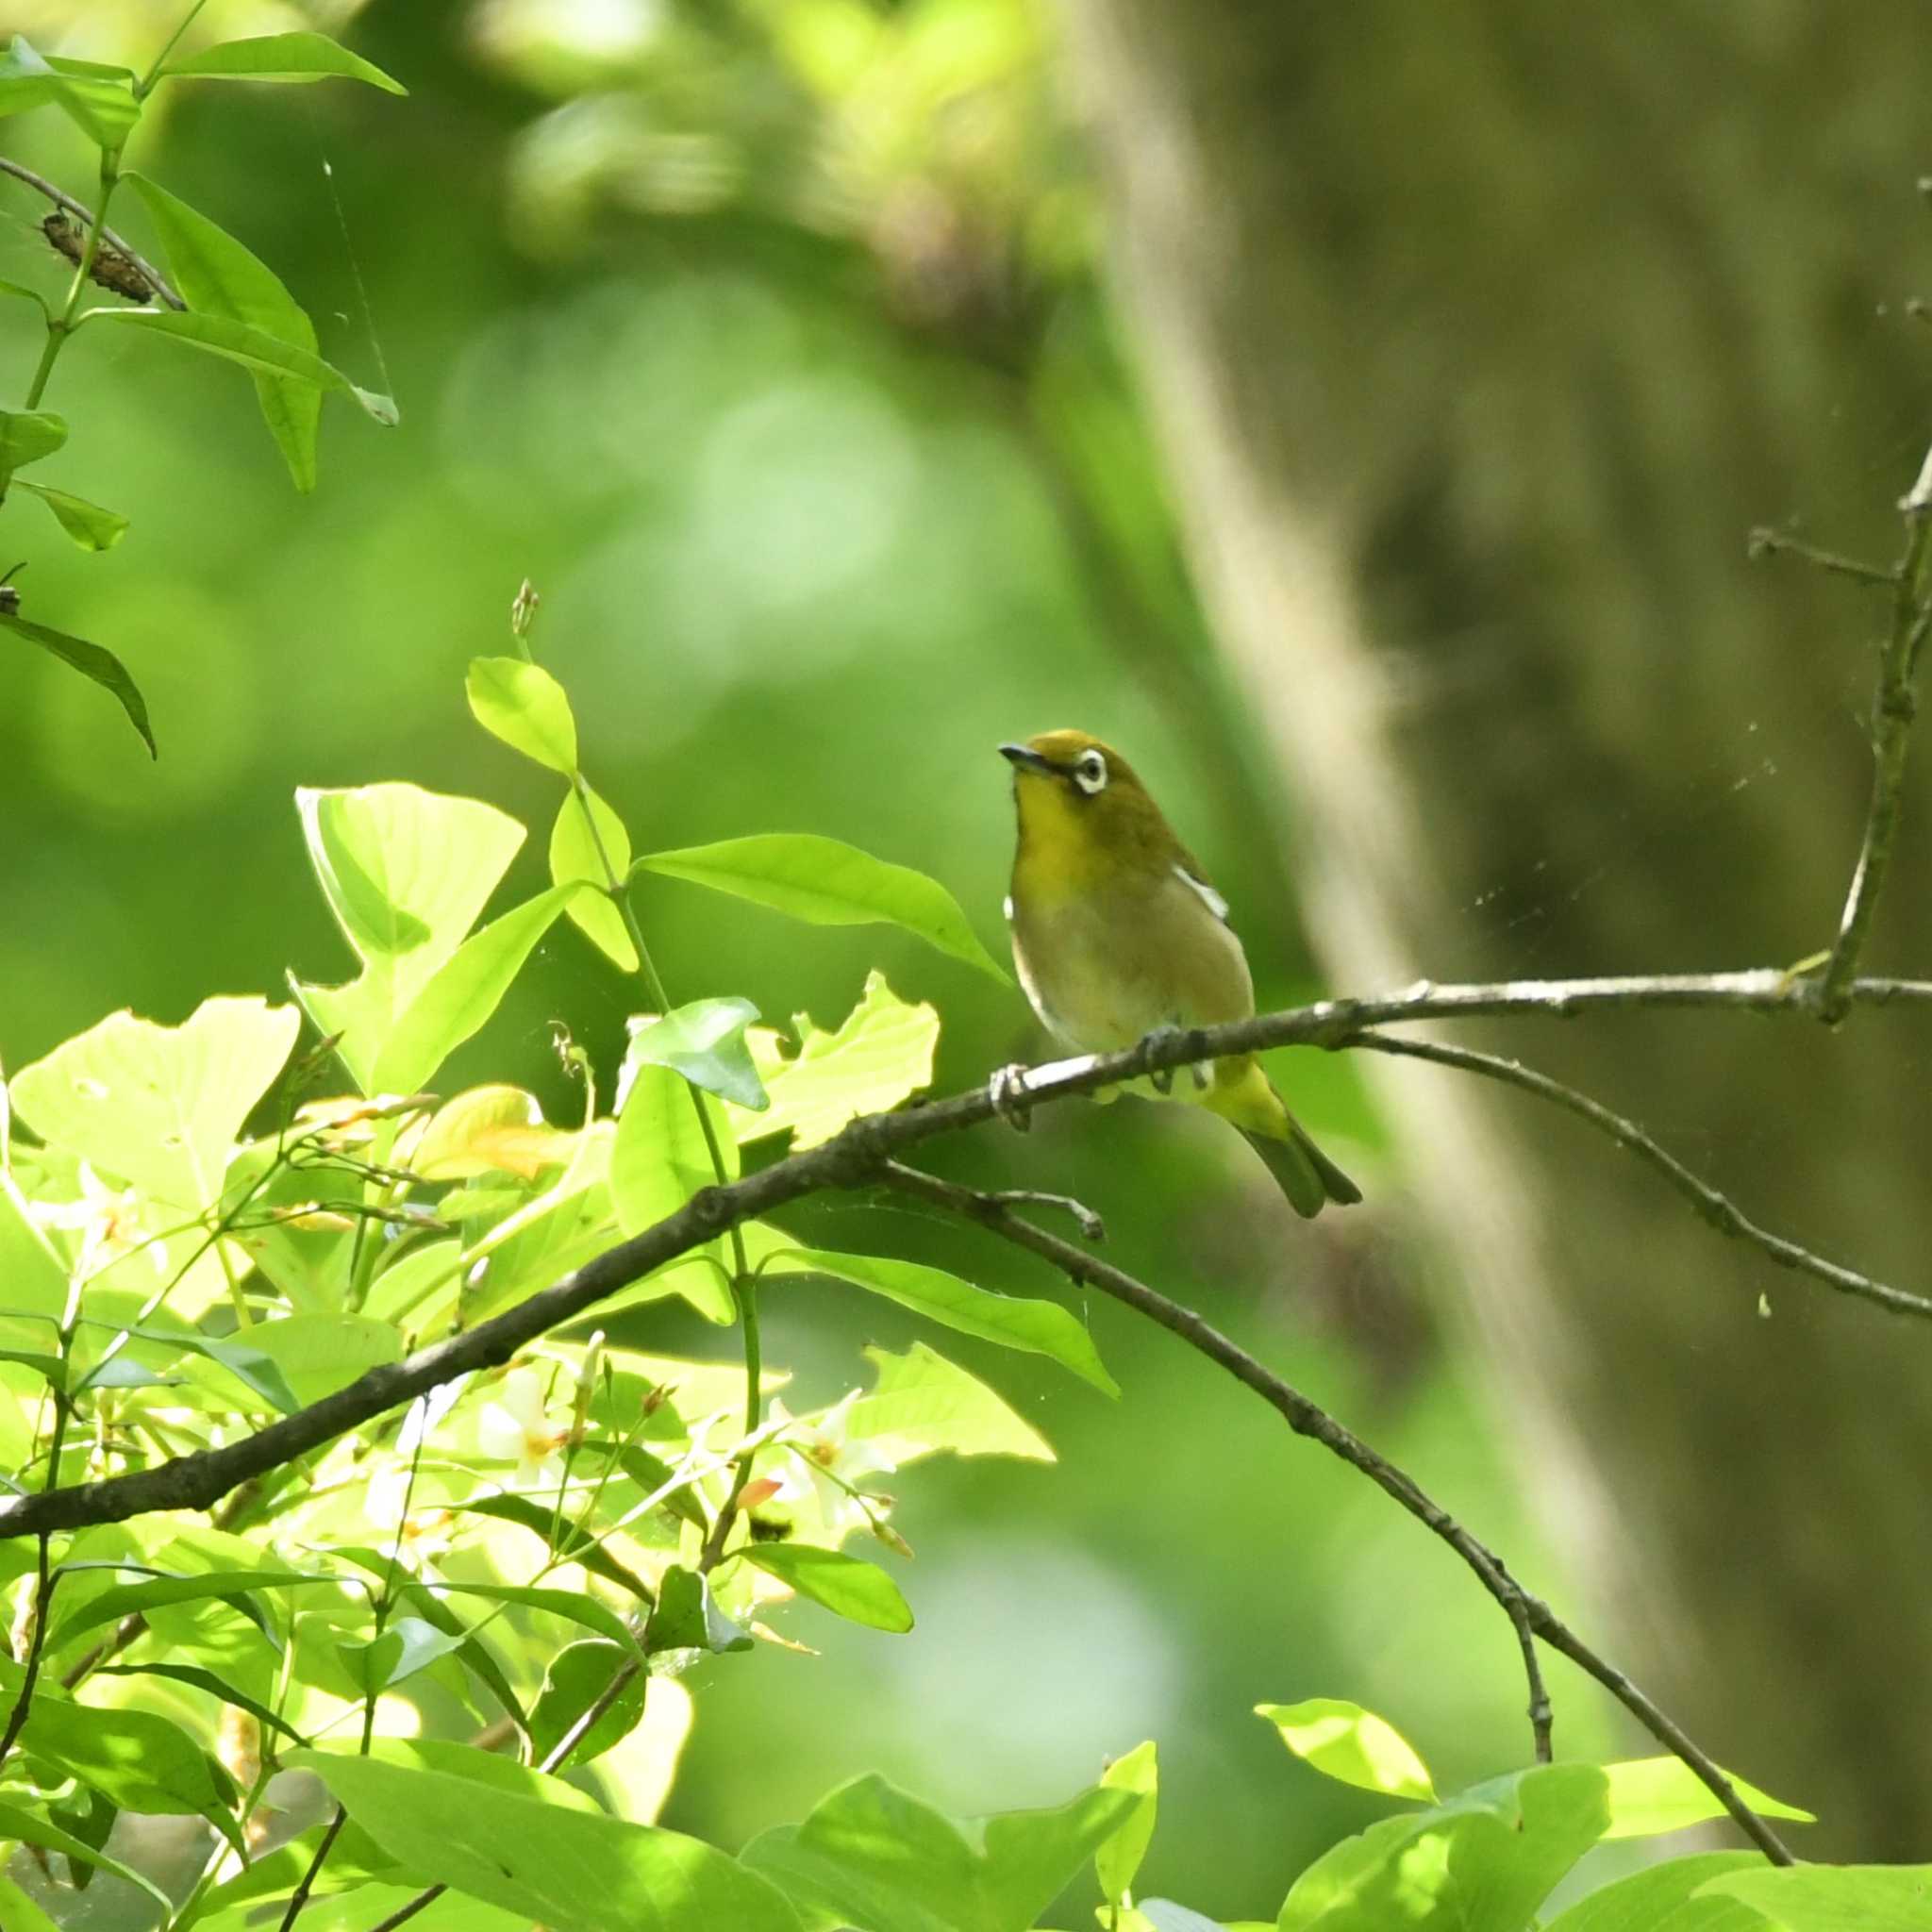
point(83, 214)
point(1528, 1614)
point(1718, 1208)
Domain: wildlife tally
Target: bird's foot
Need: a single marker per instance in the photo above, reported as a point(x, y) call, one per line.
point(1161, 1078)
point(1007, 1092)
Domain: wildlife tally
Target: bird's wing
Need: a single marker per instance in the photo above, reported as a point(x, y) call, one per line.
point(1189, 876)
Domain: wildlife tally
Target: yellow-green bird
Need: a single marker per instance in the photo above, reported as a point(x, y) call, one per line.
point(1117, 934)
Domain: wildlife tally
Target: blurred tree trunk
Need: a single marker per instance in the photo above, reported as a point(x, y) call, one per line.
point(1478, 338)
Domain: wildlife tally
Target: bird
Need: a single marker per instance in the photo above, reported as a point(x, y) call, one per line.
point(1117, 934)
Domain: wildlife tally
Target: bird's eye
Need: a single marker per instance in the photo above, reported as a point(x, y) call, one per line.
point(1090, 773)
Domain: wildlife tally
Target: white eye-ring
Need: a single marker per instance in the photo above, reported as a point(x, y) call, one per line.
point(1090, 773)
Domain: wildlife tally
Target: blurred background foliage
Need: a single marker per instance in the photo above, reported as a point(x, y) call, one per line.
point(768, 337)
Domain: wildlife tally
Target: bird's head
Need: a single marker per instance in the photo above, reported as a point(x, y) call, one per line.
point(1074, 793)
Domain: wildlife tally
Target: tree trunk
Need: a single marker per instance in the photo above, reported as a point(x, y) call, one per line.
point(1478, 338)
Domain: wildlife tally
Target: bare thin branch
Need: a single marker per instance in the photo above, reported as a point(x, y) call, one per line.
point(1528, 1614)
point(83, 215)
point(1766, 542)
point(1718, 1208)
point(850, 1158)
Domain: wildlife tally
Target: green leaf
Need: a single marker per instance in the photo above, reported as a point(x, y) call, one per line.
point(920, 1403)
point(572, 1544)
point(405, 873)
point(136, 1599)
point(320, 1354)
point(99, 100)
point(253, 1370)
point(20, 290)
point(1352, 1745)
point(26, 436)
point(199, 1679)
point(1834, 1898)
point(1487, 1857)
point(1661, 1899)
point(1034, 1326)
point(408, 1645)
point(464, 991)
point(870, 1855)
point(1163, 1915)
point(881, 1053)
point(574, 854)
point(562, 1866)
point(19, 1913)
point(521, 704)
point(1650, 1795)
point(160, 1106)
point(294, 57)
point(703, 1042)
point(1117, 1862)
point(91, 660)
point(848, 1585)
point(827, 882)
point(142, 1763)
point(254, 348)
point(578, 1675)
point(88, 524)
point(218, 276)
point(16, 1822)
point(687, 1617)
point(573, 1606)
point(659, 1158)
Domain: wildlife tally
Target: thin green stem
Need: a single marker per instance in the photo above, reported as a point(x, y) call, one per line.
point(145, 85)
point(63, 325)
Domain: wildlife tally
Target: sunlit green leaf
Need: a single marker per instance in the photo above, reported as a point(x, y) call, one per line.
point(1833, 1898)
point(19, 1913)
point(136, 1599)
point(1489, 1855)
point(406, 871)
point(521, 704)
point(88, 524)
point(848, 1585)
point(1350, 1744)
point(217, 276)
point(564, 1867)
point(881, 1052)
point(578, 1675)
point(1036, 1326)
point(99, 100)
point(564, 1537)
point(660, 1157)
point(827, 882)
point(408, 1645)
point(91, 660)
point(142, 1763)
point(687, 1617)
point(1661, 1899)
point(872, 1855)
point(160, 1106)
point(1118, 1859)
point(1655, 1794)
point(17, 1821)
point(573, 1606)
point(295, 57)
point(200, 1679)
point(320, 1354)
point(920, 1403)
point(26, 436)
point(703, 1042)
point(254, 348)
point(464, 991)
point(577, 852)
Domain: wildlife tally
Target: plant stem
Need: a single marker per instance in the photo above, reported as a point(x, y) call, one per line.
point(63, 325)
point(145, 85)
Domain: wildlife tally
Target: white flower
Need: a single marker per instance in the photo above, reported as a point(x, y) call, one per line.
point(109, 1223)
point(514, 1428)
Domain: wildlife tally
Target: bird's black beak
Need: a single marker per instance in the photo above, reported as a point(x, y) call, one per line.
point(1025, 758)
